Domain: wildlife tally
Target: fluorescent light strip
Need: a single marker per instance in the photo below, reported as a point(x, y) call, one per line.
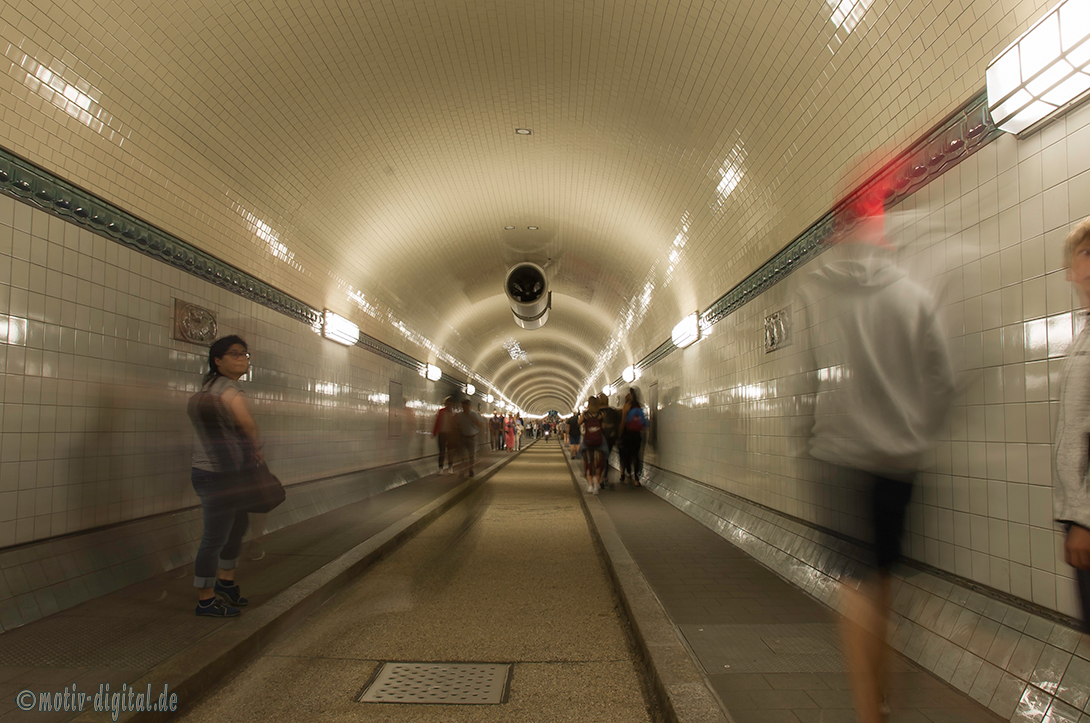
point(337, 328)
point(686, 332)
point(1044, 70)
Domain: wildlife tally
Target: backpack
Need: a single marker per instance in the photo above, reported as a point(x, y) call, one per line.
point(592, 430)
point(636, 421)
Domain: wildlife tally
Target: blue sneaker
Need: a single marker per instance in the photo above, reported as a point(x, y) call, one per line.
point(214, 608)
point(230, 594)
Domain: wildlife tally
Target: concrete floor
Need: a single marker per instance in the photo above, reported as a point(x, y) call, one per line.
point(509, 575)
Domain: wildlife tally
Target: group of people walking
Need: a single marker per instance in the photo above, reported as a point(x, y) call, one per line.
point(457, 433)
point(594, 433)
point(505, 432)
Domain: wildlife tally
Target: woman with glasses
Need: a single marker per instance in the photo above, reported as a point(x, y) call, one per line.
point(227, 445)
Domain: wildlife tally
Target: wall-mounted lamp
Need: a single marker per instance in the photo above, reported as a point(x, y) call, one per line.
point(490, 399)
point(471, 390)
point(339, 329)
point(607, 390)
point(686, 332)
point(433, 373)
point(1044, 71)
point(629, 375)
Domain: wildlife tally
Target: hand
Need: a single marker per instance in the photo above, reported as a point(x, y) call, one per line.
point(1077, 548)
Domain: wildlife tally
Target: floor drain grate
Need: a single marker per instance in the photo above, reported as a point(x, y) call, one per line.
point(439, 683)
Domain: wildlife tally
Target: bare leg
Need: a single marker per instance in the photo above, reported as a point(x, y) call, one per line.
point(863, 631)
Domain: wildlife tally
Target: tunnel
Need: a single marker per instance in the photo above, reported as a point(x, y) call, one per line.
point(516, 208)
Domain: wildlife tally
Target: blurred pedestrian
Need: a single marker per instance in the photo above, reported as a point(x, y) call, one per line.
point(1071, 496)
point(594, 450)
point(574, 434)
point(885, 383)
point(633, 424)
point(611, 428)
point(494, 424)
point(470, 425)
point(509, 432)
point(226, 449)
point(445, 435)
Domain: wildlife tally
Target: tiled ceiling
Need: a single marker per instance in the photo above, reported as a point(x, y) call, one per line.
point(363, 156)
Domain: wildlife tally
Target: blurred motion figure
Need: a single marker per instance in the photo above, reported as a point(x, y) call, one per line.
point(884, 386)
point(1071, 499)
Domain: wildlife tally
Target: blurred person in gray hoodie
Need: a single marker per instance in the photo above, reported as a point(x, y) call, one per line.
point(1071, 494)
point(885, 382)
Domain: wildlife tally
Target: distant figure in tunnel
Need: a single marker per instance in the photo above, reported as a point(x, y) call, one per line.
point(634, 421)
point(470, 425)
point(446, 435)
point(1071, 499)
point(885, 382)
point(227, 444)
point(575, 435)
point(594, 449)
point(611, 428)
point(509, 432)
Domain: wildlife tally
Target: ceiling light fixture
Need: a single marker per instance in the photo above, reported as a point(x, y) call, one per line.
point(471, 390)
point(339, 329)
point(629, 375)
point(433, 373)
point(686, 332)
point(508, 228)
point(523, 131)
point(607, 390)
point(532, 228)
point(1044, 71)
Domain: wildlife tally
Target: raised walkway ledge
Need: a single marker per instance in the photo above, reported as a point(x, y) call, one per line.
point(146, 633)
point(752, 598)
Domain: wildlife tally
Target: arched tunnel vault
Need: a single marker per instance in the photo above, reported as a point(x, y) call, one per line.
point(366, 160)
point(566, 388)
point(540, 364)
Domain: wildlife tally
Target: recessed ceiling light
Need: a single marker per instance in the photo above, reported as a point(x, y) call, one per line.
point(523, 131)
point(532, 228)
point(508, 228)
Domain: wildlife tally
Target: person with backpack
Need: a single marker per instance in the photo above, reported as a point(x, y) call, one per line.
point(594, 449)
point(611, 427)
point(635, 421)
point(226, 449)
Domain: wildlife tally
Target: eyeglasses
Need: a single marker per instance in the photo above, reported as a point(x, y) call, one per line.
point(237, 354)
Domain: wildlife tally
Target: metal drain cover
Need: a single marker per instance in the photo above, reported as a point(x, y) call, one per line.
point(439, 683)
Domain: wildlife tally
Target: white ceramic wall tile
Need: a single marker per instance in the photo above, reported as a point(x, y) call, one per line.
point(94, 428)
point(1009, 315)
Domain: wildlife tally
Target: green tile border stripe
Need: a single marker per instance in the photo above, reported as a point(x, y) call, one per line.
point(961, 134)
point(27, 182)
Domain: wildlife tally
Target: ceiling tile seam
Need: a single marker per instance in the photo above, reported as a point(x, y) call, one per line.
point(971, 124)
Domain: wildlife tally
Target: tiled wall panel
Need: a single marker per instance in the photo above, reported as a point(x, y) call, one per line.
point(94, 429)
point(987, 237)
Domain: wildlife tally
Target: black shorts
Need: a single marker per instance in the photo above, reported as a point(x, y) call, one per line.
point(889, 505)
point(1082, 578)
point(1082, 582)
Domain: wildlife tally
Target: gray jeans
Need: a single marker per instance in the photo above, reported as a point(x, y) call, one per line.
point(224, 527)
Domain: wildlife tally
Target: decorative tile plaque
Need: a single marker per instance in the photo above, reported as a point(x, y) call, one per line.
point(777, 330)
point(194, 324)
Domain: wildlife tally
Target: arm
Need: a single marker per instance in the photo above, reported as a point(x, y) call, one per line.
point(1077, 547)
